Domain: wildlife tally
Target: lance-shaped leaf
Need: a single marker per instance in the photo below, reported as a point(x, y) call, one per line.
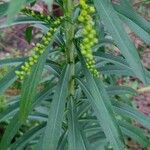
point(97, 95)
point(76, 140)
point(29, 87)
point(125, 8)
point(115, 27)
point(56, 113)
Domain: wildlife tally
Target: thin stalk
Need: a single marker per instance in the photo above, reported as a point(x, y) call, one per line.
point(69, 35)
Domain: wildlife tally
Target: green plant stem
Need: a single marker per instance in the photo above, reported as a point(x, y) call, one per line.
point(69, 35)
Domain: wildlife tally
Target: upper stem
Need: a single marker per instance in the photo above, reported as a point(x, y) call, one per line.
point(69, 35)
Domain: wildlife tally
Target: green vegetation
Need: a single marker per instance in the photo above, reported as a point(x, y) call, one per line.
point(69, 97)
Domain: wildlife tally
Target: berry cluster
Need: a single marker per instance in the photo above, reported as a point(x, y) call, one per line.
point(38, 15)
point(89, 35)
point(37, 51)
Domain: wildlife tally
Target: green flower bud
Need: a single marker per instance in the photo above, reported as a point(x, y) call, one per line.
point(84, 13)
point(91, 9)
point(36, 49)
point(83, 52)
point(95, 40)
point(17, 72)
point(27, 65)
point(88, 27)
point(81, 19)
point(21, 77)
point(85, 40)
point(48, 18)
point(31, 63)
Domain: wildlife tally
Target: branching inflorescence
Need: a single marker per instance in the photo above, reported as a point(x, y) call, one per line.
point(89, 35)
point(37, 15)
point(39, 48)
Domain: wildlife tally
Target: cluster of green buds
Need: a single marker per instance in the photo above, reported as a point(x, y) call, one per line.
point(38, 50)
point(37, 15)
point(89, 35)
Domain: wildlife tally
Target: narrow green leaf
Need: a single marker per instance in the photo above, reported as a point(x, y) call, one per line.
point(96, 93)
point(28, 137)
point(116, 70)
point(124, 8)
point(63, 141)
point(3, 9)
point(128, 111)
point(14, 7)
point(21, 20)
point(110, 58)
point(49, 3)
point(120, 90)
point(121, 38)
point(11, 61)
point(75, 139)
point(8, 80)
point(29, 86)
point(56, 113)
point(11, 130)
point(137, 30)
point(134, 133)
